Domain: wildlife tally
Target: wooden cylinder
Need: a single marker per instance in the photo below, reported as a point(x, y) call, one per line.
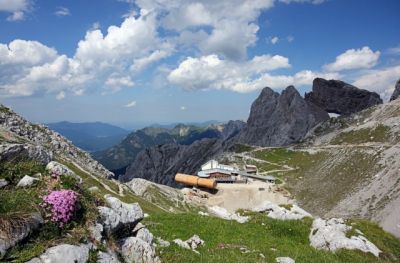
point(206, 183)
point(195, 181)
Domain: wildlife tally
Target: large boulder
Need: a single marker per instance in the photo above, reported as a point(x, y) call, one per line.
point(335, 96)
point(134, 249)
point(119, 215)
point(280, 119)
point(331, 235)
point(16, 152)
point(64, 253)
point(16, 229)
point(396, 92)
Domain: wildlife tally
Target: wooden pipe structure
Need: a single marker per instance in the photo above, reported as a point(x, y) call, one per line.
point(196, 181)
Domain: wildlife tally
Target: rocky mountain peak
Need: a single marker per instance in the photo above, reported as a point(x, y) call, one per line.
point(280, 119)
point(396, 92)
point(335, 96)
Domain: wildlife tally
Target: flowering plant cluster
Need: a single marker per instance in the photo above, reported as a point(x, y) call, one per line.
point(61, 204)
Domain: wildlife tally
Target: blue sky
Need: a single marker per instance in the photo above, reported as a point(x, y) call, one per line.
point(163, 61)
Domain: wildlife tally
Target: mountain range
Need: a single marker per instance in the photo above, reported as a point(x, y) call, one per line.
point(90, 136)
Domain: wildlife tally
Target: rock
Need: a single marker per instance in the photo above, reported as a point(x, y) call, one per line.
point(224, 214)
point(14, 152)
point(162, 243)
point(3, 183)
point(284, 260)
point(60, 169)
point(278, 120)
point(396, 92)
point(109, 257)
point(96, 232)
point(16, 229)
point(134, 249)
point(331, 235)
point(181, 243)
point(336, 96)
point(27, 181)
point(145, 235)
point(64, 253)
point(119, 215)
point(42, 143)
point(110, 220)
point(128, 213)
point(192, 243)
point(277, 212)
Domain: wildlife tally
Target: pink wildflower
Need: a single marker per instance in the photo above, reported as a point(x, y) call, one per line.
point(61, 204)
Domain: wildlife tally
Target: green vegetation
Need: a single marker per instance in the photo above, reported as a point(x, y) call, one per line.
point(15, 170)
point(379, 133)
point(241, 148)
point(17, 202)
point(229, 241)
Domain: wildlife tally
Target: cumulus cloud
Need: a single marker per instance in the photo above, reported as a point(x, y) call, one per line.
point(130, 104)
point(17, 8)
point(62, 11)
point(381, 81)
point(61, 95)
point(105, 60)
point(231, 26)
point(212, 72)
point(362, 58)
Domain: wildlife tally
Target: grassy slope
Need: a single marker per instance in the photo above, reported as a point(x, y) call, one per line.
point(262, 235)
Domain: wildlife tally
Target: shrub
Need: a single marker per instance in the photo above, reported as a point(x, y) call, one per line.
point(61, 204)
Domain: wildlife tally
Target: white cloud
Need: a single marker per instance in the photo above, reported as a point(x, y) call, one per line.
point(274, 40)
point(290, 39)
point(101, 60)
point(211, 72)
point(61, 95)
point(141, 63)
point(362, 58)
point(17, 8)
point(183, 108)
point(394, 50)
point(381, 81)
point(62, 11)
point(231, 26)
point(130, 104)
point(117, 83)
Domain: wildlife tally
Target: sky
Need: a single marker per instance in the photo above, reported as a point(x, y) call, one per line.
point(138, 62)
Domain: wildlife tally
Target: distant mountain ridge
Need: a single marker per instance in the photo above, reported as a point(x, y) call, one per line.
point(90, 136)
point(124, 153)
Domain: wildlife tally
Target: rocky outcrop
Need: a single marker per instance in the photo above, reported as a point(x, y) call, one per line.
point(331, 235)
point(134, 249)
point(44, 144)
point(119, 215)
point(277, 120)
point(225, 214)
point(396, 92)
point(284, 260)
point(16, 229)
point(64, 253)
point(159, 164)
point(277, 212)
point(15, 152)
point(335, 96)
